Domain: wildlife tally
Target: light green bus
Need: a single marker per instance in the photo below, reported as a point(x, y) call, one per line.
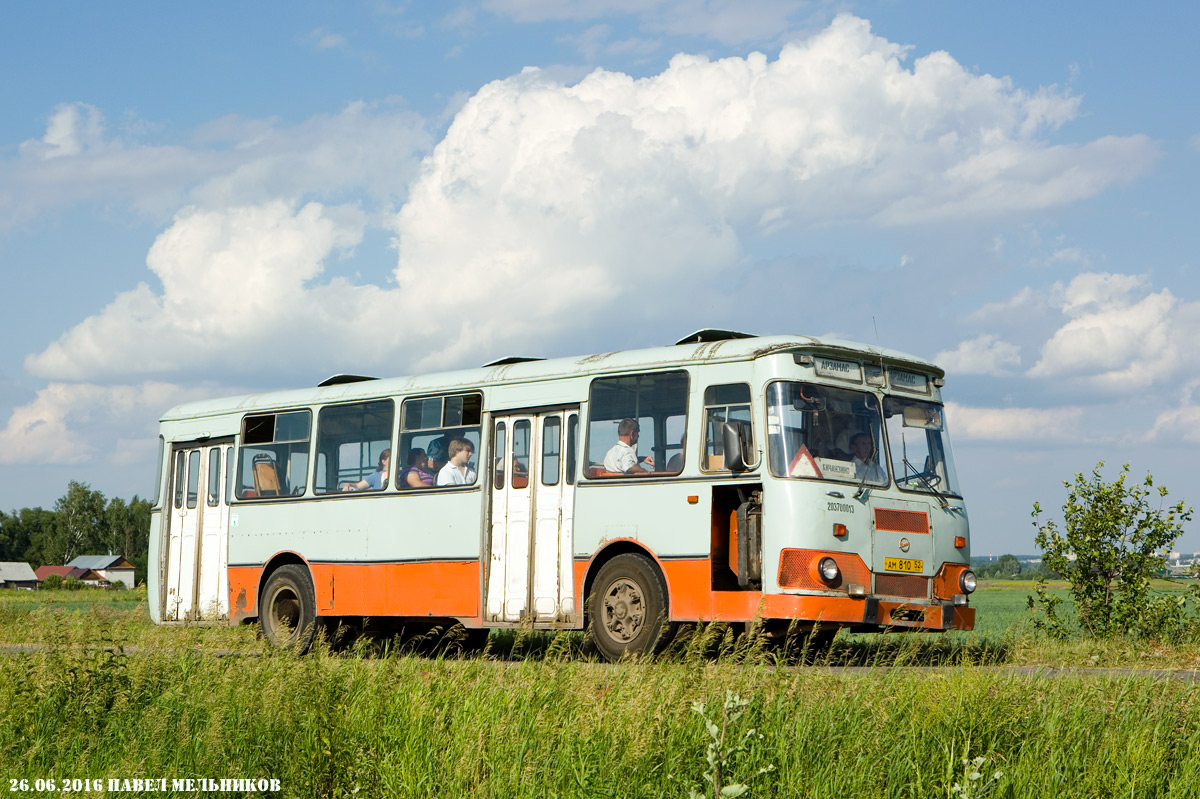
point(798, 482)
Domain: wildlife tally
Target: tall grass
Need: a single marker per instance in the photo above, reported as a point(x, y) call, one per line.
point(533, 717)
point(329, 725)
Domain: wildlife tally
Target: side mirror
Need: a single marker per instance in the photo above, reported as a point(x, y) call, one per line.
point(735, 446)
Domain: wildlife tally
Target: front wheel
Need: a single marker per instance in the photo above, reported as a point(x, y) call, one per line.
point(288, 615)
point(627, 612)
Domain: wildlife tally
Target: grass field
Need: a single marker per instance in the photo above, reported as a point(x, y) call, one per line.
point(534, 718)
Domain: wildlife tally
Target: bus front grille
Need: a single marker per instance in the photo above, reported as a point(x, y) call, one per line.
point(906, 585)
point(901, 521)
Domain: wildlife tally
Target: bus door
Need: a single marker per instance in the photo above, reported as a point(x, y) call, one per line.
point(197, 548)
point(530, 575)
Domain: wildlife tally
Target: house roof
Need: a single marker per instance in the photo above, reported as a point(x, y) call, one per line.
point(16, 572)
point(68, 571)
point(101, 562)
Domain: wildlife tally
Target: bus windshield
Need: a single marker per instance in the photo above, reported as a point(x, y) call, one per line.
point(825, 433)
point(920, 448)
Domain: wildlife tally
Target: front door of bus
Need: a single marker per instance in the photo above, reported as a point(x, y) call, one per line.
point(197, 554)
point(530, 576)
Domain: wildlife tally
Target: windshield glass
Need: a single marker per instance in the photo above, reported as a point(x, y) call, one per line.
point(919, 445)
point(824, 433)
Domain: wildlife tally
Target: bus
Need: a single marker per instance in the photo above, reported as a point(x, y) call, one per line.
point(797, 483)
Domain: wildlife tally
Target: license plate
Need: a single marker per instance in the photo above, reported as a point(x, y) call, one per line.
point(904, 565)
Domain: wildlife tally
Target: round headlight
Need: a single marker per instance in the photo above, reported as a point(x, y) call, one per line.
point(829, 570)
point(967, 582)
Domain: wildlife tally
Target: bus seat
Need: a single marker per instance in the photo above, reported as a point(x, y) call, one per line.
point(600, 471)
point(266, 476)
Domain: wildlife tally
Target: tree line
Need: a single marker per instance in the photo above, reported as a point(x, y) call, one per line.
point(82, 522)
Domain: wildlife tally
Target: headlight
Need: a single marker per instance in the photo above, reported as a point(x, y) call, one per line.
point(967, 582)
point(829, 570)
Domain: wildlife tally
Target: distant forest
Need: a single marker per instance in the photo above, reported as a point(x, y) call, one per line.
point(83, 522)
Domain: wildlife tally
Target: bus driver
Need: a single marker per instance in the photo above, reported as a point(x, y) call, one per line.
point(865, 465)
point(623, 455)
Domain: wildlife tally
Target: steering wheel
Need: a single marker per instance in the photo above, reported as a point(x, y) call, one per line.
point(931, 479)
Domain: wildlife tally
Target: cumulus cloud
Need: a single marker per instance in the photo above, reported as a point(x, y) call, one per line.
point(236, 289)
point(365, 149)
point(612, 188)
point(71, 128)
point(1179, 424)
point(47, 430)
point(1014, 424)
point(550, 209)
point(982, 355)
point(1118, 334)
point(1025, 302)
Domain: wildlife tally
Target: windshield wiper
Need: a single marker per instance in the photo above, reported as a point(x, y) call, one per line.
point(862, 482)
point(928, 485)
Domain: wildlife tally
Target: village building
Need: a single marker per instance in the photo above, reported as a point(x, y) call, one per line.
point(17, 575)
point(113, 568)
point(88, 577)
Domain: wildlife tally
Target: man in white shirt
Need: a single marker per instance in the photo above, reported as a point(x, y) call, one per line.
point(865, 464)
point(623, 455)
point(457, 471)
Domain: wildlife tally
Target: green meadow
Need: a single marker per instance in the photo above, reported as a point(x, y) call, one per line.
point(92, 690)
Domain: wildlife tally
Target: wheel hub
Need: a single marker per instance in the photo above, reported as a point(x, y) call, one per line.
point(624, 610)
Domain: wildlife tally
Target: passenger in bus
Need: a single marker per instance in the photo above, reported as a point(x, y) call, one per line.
point(376, 480)
point(866, 466)
point(622, 457)
point(458, 471)
point(675, 464)
point(437, 454)
point(417, 474)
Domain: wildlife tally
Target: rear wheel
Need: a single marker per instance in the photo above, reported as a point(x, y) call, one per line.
point(628, 608)
point(288, 616)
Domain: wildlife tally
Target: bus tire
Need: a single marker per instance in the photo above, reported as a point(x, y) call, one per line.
point(628, 608)
point(288, 616)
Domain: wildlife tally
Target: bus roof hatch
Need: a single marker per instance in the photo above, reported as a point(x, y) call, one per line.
point(338, 380)
point(712, 334)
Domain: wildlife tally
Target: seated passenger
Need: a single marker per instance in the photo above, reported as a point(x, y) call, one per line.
point(675, 464)
point(417, 474)
point(437, 454)
point(865, 464)
point(458, 471)
point(622, 457)
point(376, 480)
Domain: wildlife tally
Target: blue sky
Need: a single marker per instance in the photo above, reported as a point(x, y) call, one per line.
point(204, 200)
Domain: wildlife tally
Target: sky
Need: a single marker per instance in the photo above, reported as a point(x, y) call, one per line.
point(199, 200)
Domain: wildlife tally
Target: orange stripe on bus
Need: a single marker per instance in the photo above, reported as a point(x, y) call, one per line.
point(376, 589)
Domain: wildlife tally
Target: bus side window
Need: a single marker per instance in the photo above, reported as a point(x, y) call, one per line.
point(273, 457)
point(429, 424)
point(725, 403)
point(656, 402)
point(351, 441)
